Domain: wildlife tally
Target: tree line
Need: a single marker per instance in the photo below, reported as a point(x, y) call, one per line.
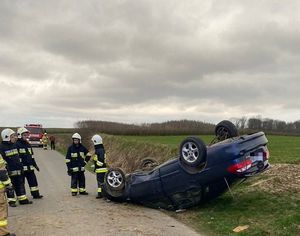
point(268, 125)
point(191, 127)
point(180, 127)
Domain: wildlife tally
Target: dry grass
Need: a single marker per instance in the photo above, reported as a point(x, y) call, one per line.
point(281, 178)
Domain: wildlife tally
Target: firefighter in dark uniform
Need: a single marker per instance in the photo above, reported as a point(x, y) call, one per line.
point(14, 167)
point(76, 160)
point(29, 163)
point(99, 159)
point(5, 186)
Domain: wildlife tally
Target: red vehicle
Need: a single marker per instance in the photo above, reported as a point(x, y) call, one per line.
point(36, 134)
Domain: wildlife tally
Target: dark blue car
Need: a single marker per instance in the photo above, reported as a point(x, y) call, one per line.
point(198, 174)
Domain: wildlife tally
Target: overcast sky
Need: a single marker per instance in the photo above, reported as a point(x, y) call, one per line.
point(148, 60)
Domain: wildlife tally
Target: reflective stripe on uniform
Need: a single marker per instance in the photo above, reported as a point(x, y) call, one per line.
point(99, 190)
point(3, 223)
point(82, 190)
point(82, 168)
point(11, 152)
point(15, 172)
point(2, 161)
point(68, 160)
point(82, 154)
point(95, 157)
point(6, 182)
point(75, 169)
point(2, 186)
point(74, 190)
point(33, 189)
point(22, 150)
point(101, 170)
point(74, 154)
point(28, 168)
point(22, 197)
point(11, 199)
point(99, 163)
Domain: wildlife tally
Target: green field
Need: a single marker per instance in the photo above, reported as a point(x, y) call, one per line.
point(283, 149)
point(265, 212)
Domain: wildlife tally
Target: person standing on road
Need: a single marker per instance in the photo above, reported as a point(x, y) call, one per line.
point(76, 160)
point(5, 186)
point(14, 166)
point(29, 163)
point(45, 141)
point(52, 142)
point(100, 162)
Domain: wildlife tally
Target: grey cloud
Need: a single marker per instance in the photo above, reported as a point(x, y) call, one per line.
point(149, 60)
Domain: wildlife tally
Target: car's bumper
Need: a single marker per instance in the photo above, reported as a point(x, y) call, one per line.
point(257, 170)
point(35, 143)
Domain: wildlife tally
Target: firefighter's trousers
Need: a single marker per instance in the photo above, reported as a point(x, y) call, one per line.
point(78, 181)
point(32, 182)
point(3, 213)
point(18, 184)
point(100, 181)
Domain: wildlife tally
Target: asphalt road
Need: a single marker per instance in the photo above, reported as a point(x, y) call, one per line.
point(58, 213)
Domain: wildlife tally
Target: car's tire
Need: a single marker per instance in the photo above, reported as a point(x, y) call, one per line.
point(148, 164)
point(115, 179)
point(225, 129)
point(192, 152)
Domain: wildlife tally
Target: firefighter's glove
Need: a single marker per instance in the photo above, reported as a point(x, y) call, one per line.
point(69, 172)
point(3, 175)
point(88, 158)
point(37, 168)
point(10, 190)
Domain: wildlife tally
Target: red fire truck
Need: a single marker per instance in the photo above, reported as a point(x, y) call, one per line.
point(36, 134)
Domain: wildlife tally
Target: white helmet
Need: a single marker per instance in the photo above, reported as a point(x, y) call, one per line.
point(96, 139)
point(21, 131)
point(6, 133)
point(77, 136)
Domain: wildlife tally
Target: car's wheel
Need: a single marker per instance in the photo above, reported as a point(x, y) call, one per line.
point(192, 152)
point(148, 164)
point(225, 129)
point(115, 179)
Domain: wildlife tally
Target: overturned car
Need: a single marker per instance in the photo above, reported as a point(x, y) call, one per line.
point(198, 174)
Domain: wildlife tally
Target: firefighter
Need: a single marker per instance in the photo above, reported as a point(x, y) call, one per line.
point(100, 162)
point(76, 160)
point(14, 167)
point(45, 141)
point(5, 186)
point(29, 163)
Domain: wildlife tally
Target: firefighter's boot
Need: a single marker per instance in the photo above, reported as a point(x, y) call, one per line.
point(25, 202)
point(38, 197)
point(99, 195)
point(12, 204)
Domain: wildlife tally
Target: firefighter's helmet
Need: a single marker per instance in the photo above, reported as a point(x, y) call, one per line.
point(97, 139)
point(21, 131)
point(76, 136)
point(6, 134)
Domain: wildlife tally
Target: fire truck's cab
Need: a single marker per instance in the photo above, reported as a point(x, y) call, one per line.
point(36, 134)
